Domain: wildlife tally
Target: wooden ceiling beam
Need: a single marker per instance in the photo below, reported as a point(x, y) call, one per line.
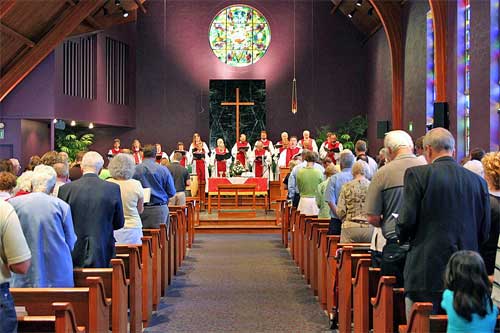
point(336, 6)
point(47, 44)
point(141, 6)
point(107, 22)
point(11, 32)
point(90, 20)
point(6, 6)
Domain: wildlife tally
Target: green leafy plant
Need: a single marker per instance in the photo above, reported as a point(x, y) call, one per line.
point(72, 143)
point(347, 133)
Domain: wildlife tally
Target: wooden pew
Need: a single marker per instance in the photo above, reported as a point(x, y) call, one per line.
point(347, 265)
point(156, 261)
point(173, 245)
point(165, 244)
point(190, 223)
point(301, 242)
point(133, 268)
point(63, 321)
point(316, 225)
point(115, 286)
point(388, 306)
point(287, 214)
point(364, 286)
point(90, 305)
point(322, 267)
point(293, 217)
point(146, 253)
point(181, 231)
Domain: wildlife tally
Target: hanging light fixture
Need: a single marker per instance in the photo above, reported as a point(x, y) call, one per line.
point(294, 82)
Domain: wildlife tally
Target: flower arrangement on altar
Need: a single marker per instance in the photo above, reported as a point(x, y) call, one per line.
point(237, 169)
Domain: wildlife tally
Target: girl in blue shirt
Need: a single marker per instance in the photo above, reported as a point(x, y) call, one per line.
point(466, 298)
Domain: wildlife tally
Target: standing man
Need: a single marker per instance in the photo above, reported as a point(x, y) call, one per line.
point(307, 142)
point(385, 199)
point(331, 148)
point(159, 179)
point(289, 153)
point(332, 193)
point(96, 207)
point(181, 180)
point(266, 143)
point(15, 256)
point(360, 150)
point(446, 209)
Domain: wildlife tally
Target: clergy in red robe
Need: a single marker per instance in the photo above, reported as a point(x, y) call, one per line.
point(186, 155)
point(307, 142)
point(261, 160)
point(266, 143)
point(200, 162)
point(241, 150)
point(116, 148)
point(331, 148)
point(283, 143)
point(137, 151)
point(221, 159)
point(288, 154)
point(160, 154)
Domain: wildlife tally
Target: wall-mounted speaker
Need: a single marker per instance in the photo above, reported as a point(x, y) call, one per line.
point(441, 115)
point(383, 127)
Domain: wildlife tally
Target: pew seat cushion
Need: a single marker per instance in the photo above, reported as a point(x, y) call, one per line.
point(457, 323)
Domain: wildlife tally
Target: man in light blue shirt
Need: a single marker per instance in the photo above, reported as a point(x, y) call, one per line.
point(334, 186)
point(293, 190)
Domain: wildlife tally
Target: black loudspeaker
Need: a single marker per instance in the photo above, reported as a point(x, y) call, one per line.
point(382, 128)
point(441, 115)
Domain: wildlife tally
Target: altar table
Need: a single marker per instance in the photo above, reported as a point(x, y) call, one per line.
point(260, 188)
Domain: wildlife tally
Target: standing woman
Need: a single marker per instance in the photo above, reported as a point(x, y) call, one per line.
point(261, 161)
point(197, 140)
point(137, 151)
point(200, 162)
point(221, 159)
point(241, 151)
point(122, 169)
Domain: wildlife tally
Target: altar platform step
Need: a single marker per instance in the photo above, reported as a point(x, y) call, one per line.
point(248, 228)
point(263, 222)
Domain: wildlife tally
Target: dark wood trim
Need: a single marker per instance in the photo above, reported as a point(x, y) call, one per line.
point(439, 19)
point(6, 6)
point(11, 32)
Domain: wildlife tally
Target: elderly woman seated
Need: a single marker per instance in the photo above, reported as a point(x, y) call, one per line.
point(351, 207)
point(7, 184)
point(48, 227)
point(122, 168)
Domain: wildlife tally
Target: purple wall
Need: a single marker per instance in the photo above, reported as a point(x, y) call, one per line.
point(35, 139)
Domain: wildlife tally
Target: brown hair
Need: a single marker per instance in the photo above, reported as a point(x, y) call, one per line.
point(7, 181)
point(491, 164)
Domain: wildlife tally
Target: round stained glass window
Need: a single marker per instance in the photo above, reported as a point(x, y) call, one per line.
point(239, 35)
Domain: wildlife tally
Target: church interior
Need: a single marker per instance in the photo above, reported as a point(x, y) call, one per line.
point(246, 250)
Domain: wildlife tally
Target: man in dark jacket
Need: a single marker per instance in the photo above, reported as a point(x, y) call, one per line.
point(97, 210)
point(446, 209)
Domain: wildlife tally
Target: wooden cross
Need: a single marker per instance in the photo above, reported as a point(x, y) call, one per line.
point(237, 104)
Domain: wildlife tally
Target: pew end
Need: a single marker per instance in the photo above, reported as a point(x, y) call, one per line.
point(63, 321)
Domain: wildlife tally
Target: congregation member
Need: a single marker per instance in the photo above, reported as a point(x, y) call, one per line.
point(7, 185)
point(75, 172)
point(47, 224)
point(446, 208)
point(186, 155)
point(15, 257)
point(324, 209)
point(266, 143)
point(282, 144)
point(419, 149)
point(181, 180)
point(385, 199)
point(200, 162)
point(331, 148)
point(158, 179)
point(242, 151)
point(97, 211)
point(62, 171)
point(137, 151)
point(33, 162)
point(307, 142)
point(466, 298)
point(474, 164)
point(16, 166)
point(332, 192)
point(116, 148)
point(122, 169)
point(351, 206)
point(491, 163)
point(160, 154)
point(382, 158)
point(221, 159)
point(360, 150)
point(289, 153)
point(293, 189)
point(50, 158)
point(261, 161)
point(6, 166)
point(308, 179)
point(23, 184)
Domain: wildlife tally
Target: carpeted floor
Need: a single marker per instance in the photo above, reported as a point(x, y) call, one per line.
point(239, 283)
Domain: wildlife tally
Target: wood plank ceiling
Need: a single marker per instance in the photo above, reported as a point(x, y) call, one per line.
point(30, 30)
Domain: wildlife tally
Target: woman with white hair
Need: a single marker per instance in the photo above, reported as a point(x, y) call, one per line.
point(48, 227)
point(351, 206)
point(122, 168)
point(23, 184)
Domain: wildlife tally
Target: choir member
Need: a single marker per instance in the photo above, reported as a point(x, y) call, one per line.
point(200, 162)
point(160, 154)
point(186, 155)
point(283, 143)
point(262, 161)
point(137, 151)
point(116, 148)
point(307, 142)
point(221, 159)
point(331, 148)
point(196, 141)
point(288, 154)
point(267, 144)
point(242, 150)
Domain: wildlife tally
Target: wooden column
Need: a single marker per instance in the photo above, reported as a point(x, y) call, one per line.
point(439, 21)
